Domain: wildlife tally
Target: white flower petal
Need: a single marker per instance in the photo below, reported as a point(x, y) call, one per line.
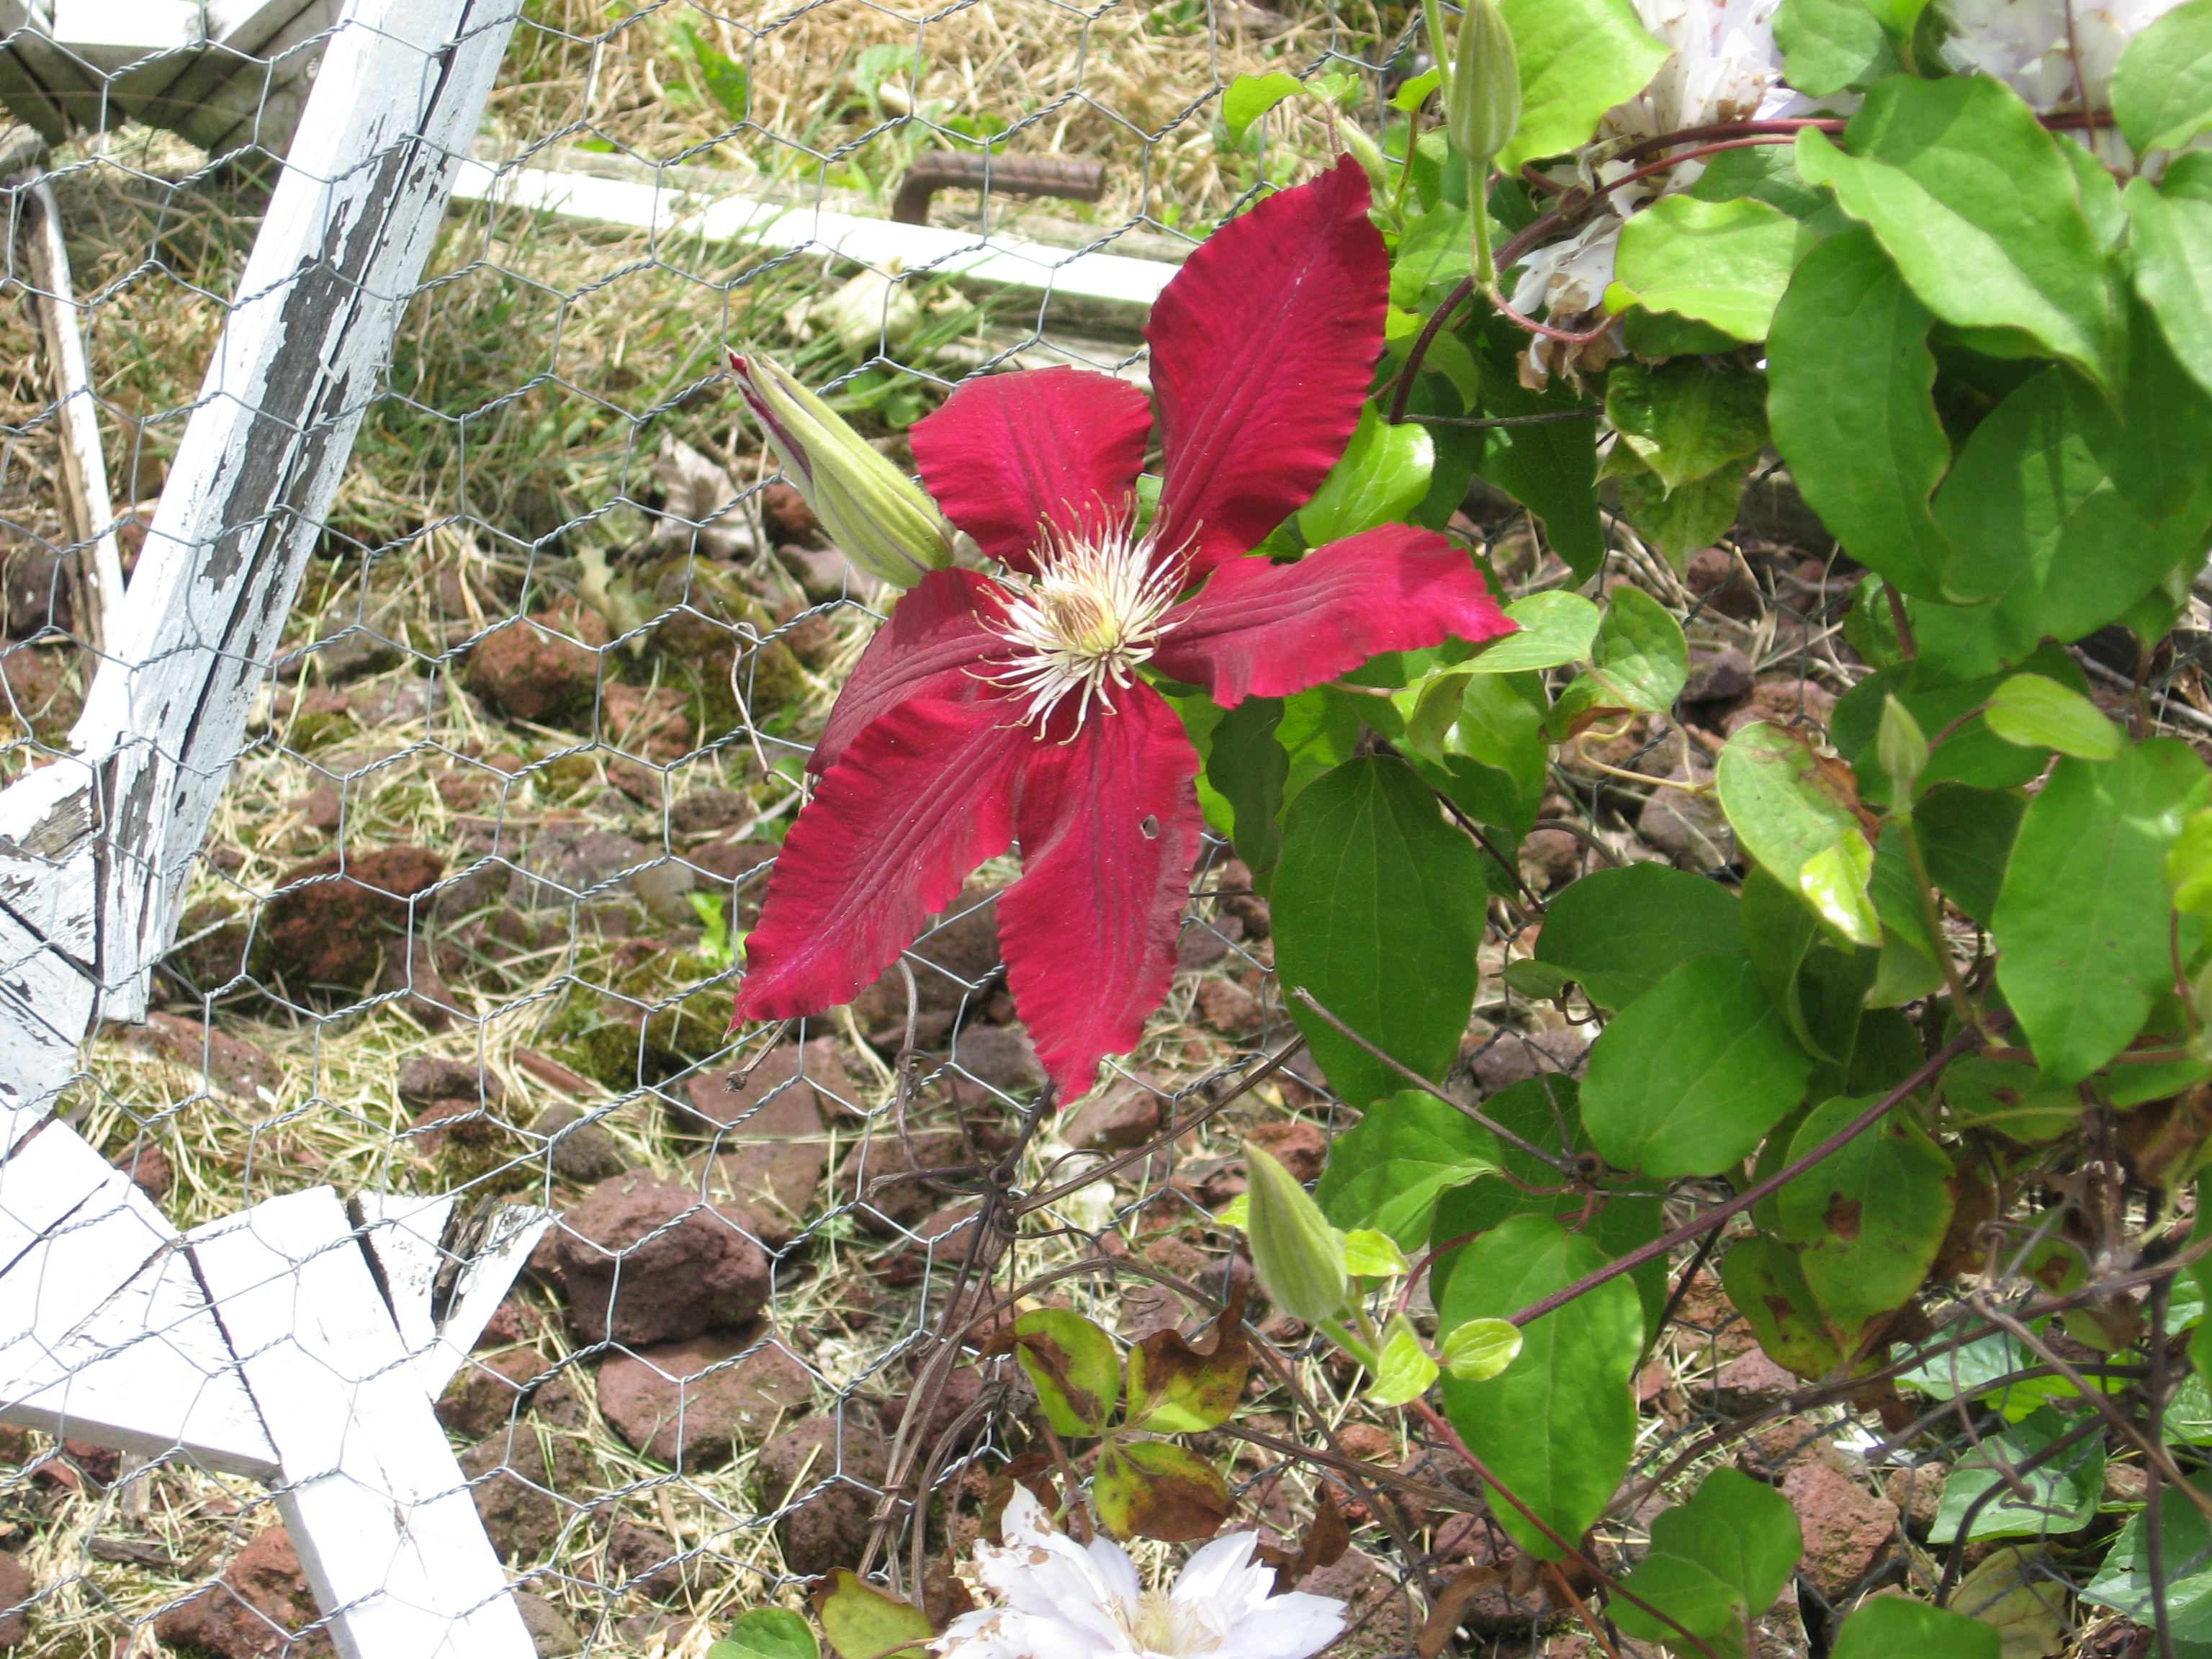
point(1293, 1626)
point(1220, 1580)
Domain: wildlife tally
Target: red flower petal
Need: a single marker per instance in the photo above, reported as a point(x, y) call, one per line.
point(1011, 452)
point(938, 631)
point(921, 797)
point(1109, 827)
point(1262, 347)
point(1268, 630)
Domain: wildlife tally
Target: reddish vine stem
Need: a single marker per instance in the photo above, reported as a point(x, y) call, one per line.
point(1743, 1200)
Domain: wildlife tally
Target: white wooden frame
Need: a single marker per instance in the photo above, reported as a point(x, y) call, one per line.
point(292, 1342)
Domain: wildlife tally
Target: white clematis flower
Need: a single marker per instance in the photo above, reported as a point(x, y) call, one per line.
point(1067, 1601)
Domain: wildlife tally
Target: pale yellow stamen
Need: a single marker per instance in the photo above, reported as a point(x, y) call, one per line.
point(1083, 625)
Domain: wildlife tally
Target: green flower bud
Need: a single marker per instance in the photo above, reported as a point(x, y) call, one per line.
point(1299, 1256)
point(1902, 748)
point(1482, 95)
point(878, 517)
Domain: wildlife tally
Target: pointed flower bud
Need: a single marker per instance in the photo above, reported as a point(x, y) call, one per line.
point(1482, 95)
point(1299, 1256)
point(1901, 749)
point(878, 517)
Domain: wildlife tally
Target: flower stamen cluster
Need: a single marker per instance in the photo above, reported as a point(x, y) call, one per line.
point(1096, 610)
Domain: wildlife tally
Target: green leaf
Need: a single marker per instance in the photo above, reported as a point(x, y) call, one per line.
point(1415, 93)
point(1246, 764)
point(1869, 1218)
point(1251, 96)
point(2170, 250)
point(1830, 44)
point(1768, 173)
point(1618, 931)
point(768, 1633)
point(2010, 1098)
point(1389, 1170)
point(1763, 1279)
point(2188, 865)
point(1894, 1627)
point(1434, 251)
point(1853, 410)
point(1716, 1561)
point(2036, 524)
point(1545, 1110)
point(1791, 810)
point(1384, 473)
point(2162, 89)
point(1681, 524)
point(1550, 468)
point(1073, 1364)
point(2061, 1494)
point(2034, 712)
point(1688, 1077)
point(1369, 1254)
point(862, 1623)
point(1377, 910)
point(2081, 925)
point(1406, 1372)
point(1556, 628)
point(2123, 1583)
point(1578, 59)
point(1687, 418)
point(1974, 201)
point(1557, 1427)
point(1481, 1349)
point(2156, 445)
point(727, 81)
point(1777, 931)
point(1156, 1489)
point(1640, 655)
point(1721, 262)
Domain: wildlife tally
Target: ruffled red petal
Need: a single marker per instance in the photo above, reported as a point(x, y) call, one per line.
point(1110, 827)
point(1010, 453)
point(937, 632)
point(1262, 348)
point(1269, 630)
point(919, 798)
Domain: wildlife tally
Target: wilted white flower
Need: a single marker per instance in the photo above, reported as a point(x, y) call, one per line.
point(1067, 1601)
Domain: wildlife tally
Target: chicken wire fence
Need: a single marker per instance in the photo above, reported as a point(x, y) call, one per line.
point(412, 662)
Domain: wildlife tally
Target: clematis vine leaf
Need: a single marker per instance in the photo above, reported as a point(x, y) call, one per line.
point(1072, 1363)
point(1407, 1370)
point(1156, 1489)
point(862, 1623)
point(768, 1633)
point(1176, 1387)
point(1251, 96)
point(1481, 1349)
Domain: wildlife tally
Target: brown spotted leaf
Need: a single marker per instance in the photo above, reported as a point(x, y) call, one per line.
point(1072, 1363)
point(1450, 1608)
point(1176, 1387)
point(1154, 1489)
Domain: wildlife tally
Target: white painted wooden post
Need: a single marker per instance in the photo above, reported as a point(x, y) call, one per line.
point(263, 1344)
point(375, 1501)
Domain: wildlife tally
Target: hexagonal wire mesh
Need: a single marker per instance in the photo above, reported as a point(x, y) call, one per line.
point(467, 916)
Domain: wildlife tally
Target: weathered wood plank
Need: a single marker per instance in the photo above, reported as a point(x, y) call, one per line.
point(444, 1281)
point(95, 563)
point(1008, 261)
point(348, 229)
point(147, 1370)
point(375, 1501)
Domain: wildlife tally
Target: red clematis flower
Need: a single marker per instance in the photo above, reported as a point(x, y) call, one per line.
point(989, 711)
